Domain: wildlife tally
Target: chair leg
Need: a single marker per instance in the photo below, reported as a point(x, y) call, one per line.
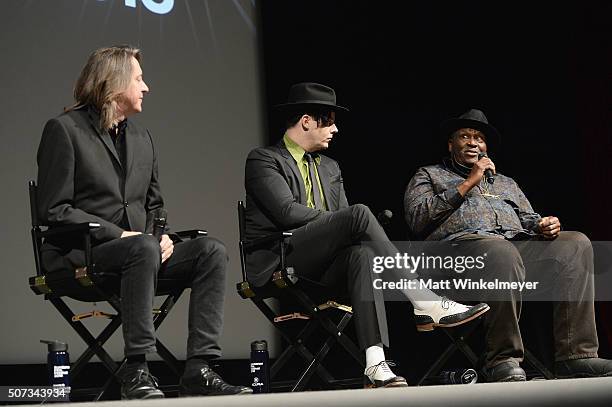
point(165, 308)
point(458, 342)
point(162, 350)
point(330, 327)
point(291, 350)
point(539, 366)
point(296, 344)
point(463, 346)
point(168, 357)
point(316, 361)
point(335, 334)
point(95, 344)
point(110, 380)
point(439, 363)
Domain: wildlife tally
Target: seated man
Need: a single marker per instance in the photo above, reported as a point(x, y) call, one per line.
point(96, 165)
point(290, 186)
point(459, 200)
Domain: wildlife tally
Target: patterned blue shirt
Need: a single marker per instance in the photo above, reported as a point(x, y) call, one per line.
point(435, 210)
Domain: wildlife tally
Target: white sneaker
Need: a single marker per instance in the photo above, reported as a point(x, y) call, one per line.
point(447, 313)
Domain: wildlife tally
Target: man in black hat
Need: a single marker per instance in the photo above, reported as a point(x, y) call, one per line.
point(290, 186)
point(465, 201)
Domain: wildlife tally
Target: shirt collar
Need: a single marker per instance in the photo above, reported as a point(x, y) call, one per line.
point(94, 114)
point(298, 152)
point(453, 166)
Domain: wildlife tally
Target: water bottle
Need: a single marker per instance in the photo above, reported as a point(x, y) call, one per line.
point(460, 376)
point(58, 364)
point(260, 367)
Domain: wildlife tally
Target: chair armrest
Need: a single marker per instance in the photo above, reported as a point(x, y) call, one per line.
point(190, 234)
point(77, 228)
point(264, 241)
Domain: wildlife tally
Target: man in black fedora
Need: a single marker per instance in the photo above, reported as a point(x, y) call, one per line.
point(464, 200)
point(290, 186)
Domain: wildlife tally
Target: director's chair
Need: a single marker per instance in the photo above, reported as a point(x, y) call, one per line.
point(86, 285)
point(313, 306)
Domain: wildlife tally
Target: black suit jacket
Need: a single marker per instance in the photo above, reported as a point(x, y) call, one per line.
point(80, 179)
point(276, 201)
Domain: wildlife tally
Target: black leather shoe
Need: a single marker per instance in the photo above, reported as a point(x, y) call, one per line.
point(139, 384)
point(509, 371)
point(208, 383)
point(588, 367)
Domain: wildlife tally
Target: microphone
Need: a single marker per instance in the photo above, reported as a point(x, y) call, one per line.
point(159, 223)
point(384, 217)
point(488, 173)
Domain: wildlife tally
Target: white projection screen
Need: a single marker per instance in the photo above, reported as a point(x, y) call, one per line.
point(204, 110)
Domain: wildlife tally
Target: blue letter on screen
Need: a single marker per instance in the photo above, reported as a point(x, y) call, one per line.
point(155, 6)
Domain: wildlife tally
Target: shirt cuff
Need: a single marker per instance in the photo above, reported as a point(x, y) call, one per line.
point(453, 197)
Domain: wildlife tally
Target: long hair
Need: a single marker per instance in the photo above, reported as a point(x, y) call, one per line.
point(106, 74)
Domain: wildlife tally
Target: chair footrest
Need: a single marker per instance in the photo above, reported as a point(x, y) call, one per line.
point(288, 317)
point(334, 304)
point(92, 314)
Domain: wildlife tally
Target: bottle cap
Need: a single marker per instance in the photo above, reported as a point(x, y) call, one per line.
point(55, 346)
point(259, 345)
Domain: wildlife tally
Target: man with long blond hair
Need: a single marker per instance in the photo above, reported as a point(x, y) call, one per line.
point(95, 164)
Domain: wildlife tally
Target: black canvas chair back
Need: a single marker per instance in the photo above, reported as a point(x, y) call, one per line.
point(312, 306)
point(84, 284)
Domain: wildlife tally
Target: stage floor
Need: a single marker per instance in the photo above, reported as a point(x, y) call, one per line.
point(570, 392)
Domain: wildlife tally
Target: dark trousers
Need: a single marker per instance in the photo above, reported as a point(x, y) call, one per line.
point(329, 250)
point(564, 268)
point(198, 263)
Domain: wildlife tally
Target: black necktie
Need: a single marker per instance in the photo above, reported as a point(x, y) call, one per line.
point(313, 182)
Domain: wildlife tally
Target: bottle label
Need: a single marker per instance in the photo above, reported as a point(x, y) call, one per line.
point(259, 377)
point(60, 371)
point(256, 383)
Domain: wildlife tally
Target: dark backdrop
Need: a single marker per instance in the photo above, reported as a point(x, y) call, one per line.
point(540, 72)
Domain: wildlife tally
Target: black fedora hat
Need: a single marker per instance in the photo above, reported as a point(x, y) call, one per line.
point(311, 94)
point(472, 119)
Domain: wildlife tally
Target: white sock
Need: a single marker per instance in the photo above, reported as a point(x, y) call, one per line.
point(375, 368)
point(374, 355)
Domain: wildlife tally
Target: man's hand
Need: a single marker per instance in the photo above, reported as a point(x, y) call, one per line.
point(166, 244)
point(476, 175)
point(167, 247)
point(549, 227)
point(127, 233)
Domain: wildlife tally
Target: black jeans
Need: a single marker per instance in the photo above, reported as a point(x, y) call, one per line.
point(199, 263)
point(566, 265)
point(329, 250)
